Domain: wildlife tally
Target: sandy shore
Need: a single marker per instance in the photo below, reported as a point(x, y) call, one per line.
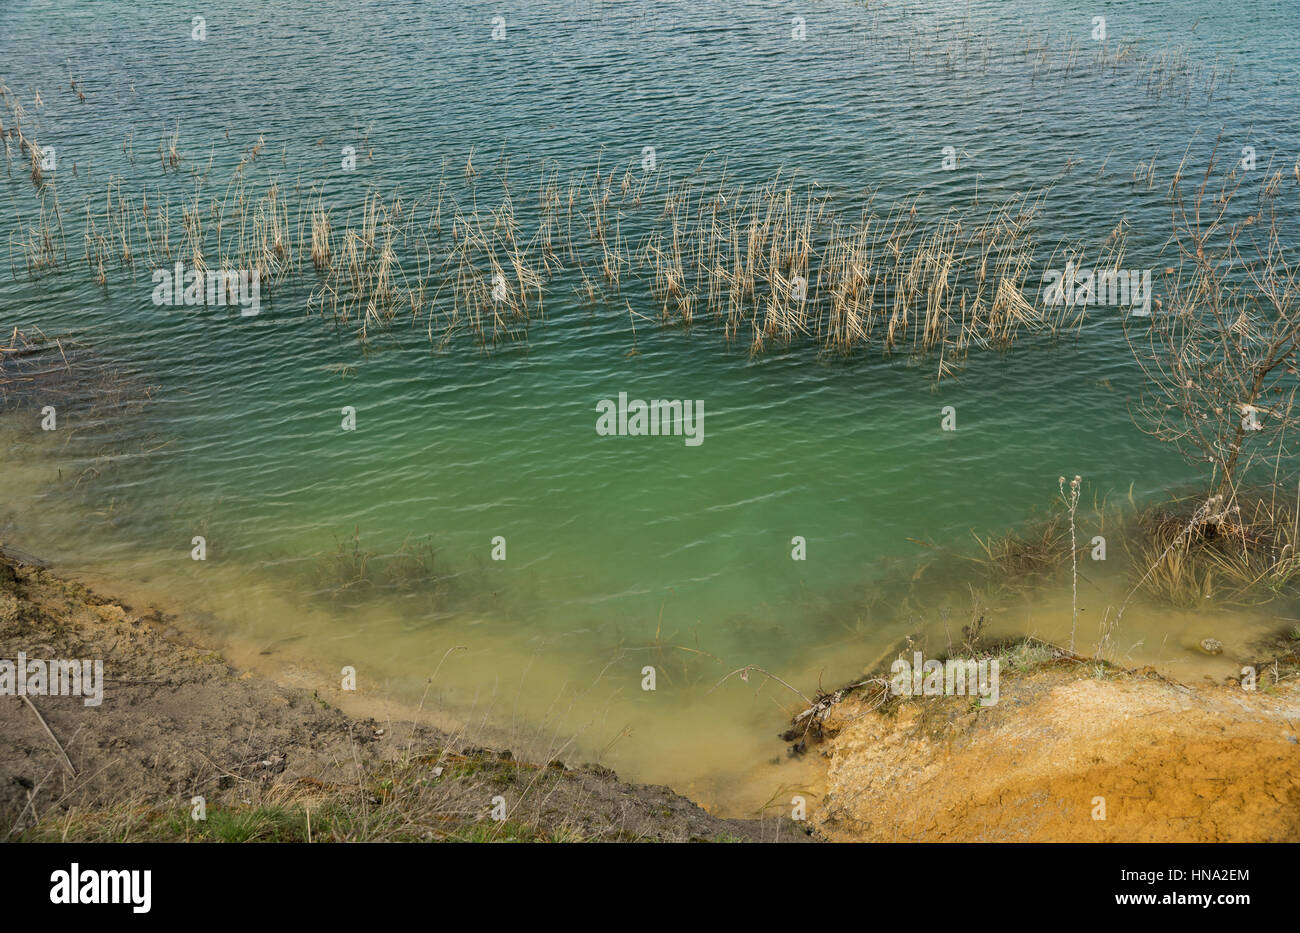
point(177, 722)
point(1074, 750)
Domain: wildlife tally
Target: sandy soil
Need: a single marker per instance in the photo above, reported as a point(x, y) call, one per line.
point(177, 721)
point(1174, 763)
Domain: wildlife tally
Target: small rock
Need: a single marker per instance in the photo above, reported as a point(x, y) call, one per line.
point(111, 613)
point(9, 608)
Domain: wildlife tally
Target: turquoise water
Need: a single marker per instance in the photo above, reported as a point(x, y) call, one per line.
point(621, 551)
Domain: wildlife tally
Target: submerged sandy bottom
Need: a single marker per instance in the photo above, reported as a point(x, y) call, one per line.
point(569, 694)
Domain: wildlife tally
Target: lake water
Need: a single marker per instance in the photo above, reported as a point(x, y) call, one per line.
point(621, 552)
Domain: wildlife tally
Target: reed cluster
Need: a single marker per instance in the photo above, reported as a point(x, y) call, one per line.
point(478, 253)
point(966, 48)
point(1242, 553)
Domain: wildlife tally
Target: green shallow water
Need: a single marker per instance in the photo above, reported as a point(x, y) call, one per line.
point(621, 551)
